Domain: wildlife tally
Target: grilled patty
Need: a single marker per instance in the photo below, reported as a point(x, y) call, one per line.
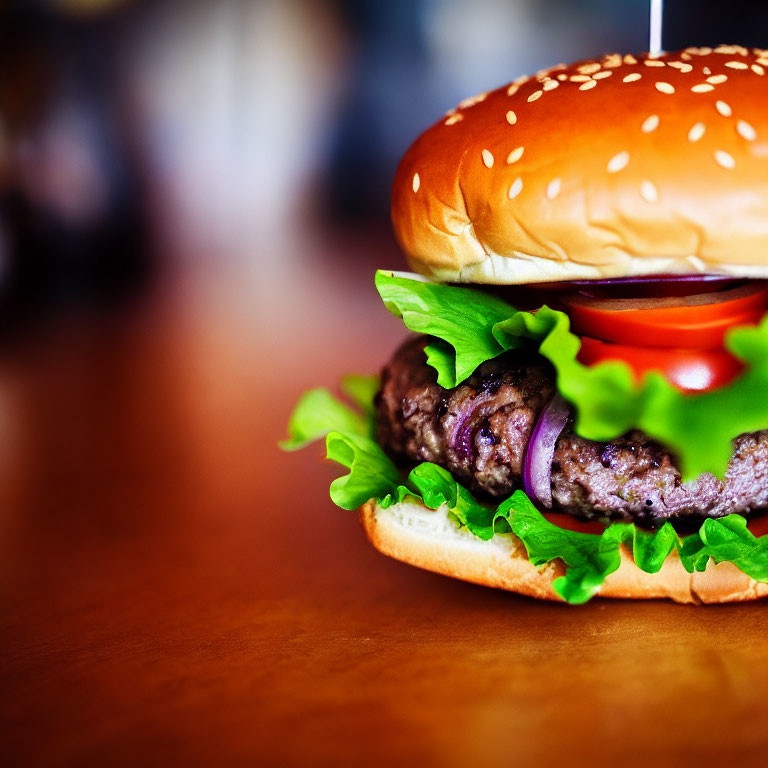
point(479, 432)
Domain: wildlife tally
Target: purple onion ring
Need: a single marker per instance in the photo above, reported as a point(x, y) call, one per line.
point(537, 465)
point(645, 279)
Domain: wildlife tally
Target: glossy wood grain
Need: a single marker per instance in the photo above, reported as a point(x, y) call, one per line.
point(175, 591)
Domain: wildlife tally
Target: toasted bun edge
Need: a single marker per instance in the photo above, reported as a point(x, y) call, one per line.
point(414, 534)
point(614, 167)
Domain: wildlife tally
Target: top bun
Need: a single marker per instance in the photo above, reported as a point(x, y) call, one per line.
point(613, 167)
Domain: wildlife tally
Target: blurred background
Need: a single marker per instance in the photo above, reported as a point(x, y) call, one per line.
point(193, 198)
point(137, 134)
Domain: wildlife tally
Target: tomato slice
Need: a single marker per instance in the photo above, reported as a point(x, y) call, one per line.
point(758, 526)
point(692, 322)
point(571, 523)
point(692, 370)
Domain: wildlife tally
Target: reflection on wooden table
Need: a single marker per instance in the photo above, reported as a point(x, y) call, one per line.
point(176, 591)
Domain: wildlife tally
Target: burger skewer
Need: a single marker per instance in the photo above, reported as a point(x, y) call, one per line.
point(655, 27)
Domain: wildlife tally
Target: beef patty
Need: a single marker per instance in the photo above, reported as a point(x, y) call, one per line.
point(480, 429)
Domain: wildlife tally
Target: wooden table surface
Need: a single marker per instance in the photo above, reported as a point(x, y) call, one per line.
point(175, 591)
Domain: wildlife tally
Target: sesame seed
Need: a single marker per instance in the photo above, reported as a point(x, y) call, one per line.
point(512, 90)
point(726, 49)
point(416, 182)
point(612, 60)
point(736, 64)
point(562, 77)
point(707, 71)
point(653, 63)
point(617, 162)
point(696, 132)
point(588, 69)
point(723, 108)
point(648, 191)
point(717, 79)
point(664, 87)
point(472, 100)
point(580, 78)
point(515, 188)
point(550, 85)
point(601, 75)
point(681, 65)
point(745, 130)
point(553, 189)
point(703, 88)
point(535, 95)
point(685, 55)
point(454, 119)
point(724, 159)
point(757, 69)
point(511, 117)
point(651, 123)
point(634, 77)
point(515, 155)
point(630, 59)
point(763, 61)
point(487, 158)
point(587, 86)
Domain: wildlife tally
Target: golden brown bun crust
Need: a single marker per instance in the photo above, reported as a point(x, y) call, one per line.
point(604, 168)
point(427, 539)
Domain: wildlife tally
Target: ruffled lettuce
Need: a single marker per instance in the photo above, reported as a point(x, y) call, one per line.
point(318, 412)
point(588, 558)
point(470, 327)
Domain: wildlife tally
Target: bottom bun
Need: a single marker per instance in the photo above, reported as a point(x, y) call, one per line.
point(428, 539)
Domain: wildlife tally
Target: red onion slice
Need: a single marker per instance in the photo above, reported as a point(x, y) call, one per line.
point(537, 466)
point(694, 278)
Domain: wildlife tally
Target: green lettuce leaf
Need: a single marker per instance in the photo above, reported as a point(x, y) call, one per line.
point(698, 429)
point(461, 317)
point(361, 390)
point(588, 558)
point(318, 412)
point(372, 475)
point(727, 539)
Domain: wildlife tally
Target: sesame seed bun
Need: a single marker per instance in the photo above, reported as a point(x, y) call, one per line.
point(426, 538)
point(620, 166)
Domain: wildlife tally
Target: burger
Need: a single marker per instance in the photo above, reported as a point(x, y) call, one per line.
point(583, 409)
